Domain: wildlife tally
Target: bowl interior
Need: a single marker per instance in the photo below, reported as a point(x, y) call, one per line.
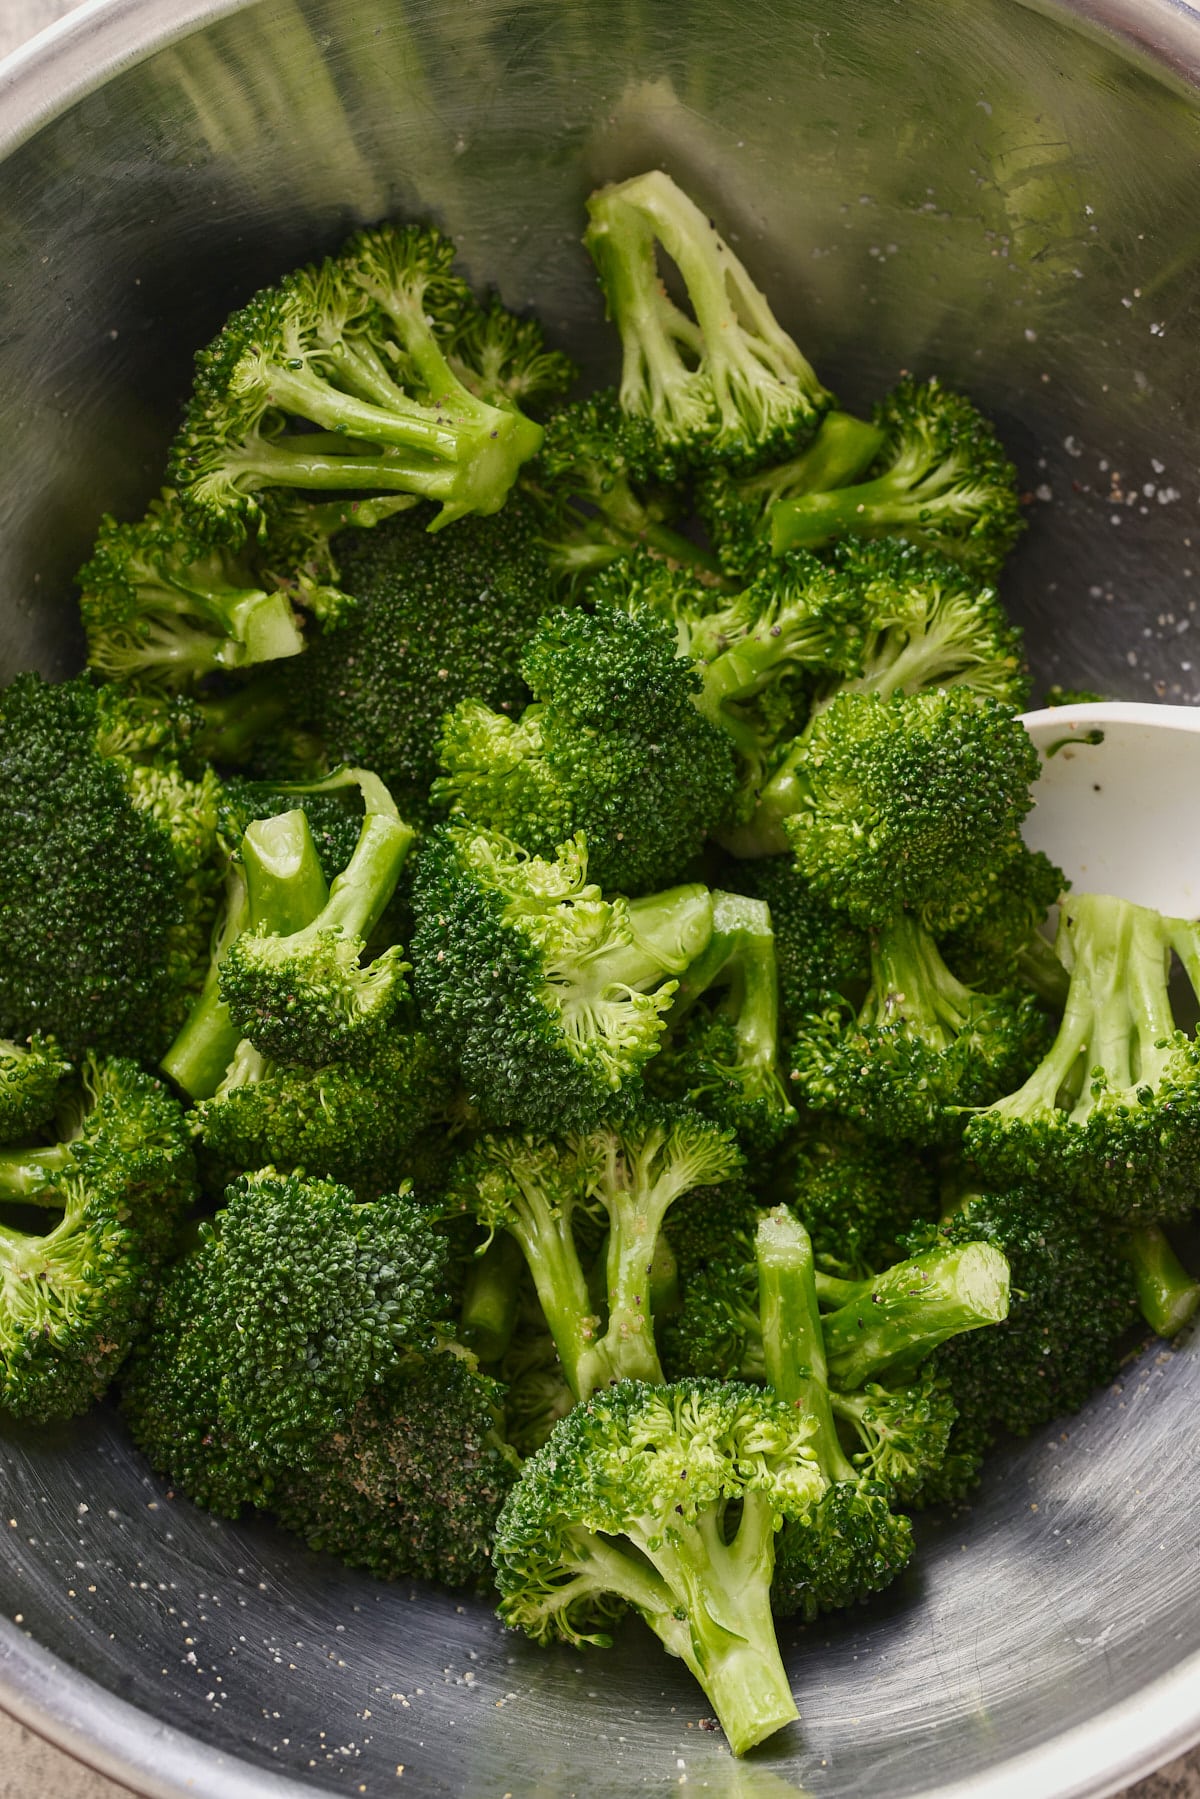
point(998, 193)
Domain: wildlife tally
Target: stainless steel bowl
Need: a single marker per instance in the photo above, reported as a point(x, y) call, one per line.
point(1001, 192)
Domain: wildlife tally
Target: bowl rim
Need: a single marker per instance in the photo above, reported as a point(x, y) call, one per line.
point(39, 82)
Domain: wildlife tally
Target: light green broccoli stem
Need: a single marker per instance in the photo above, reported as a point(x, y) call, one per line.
point(280, 885)
point(740, 959)
point(781, 796)
point(726, 1634)
point(668, 931)
point(888, 503)
point(28, 1176)
point(1117, 1020)
point(546, 1241)
point(492, 1299)
point(360, 895)
point(842, 450)
point(1168, 1296)
point(889, 1325)
point(1041, 970)
point(792, 1337)
point(909, 980)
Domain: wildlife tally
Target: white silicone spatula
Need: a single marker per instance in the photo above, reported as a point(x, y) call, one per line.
point(1118, 801)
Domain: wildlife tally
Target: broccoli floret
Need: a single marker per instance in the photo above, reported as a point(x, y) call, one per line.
point(1073, 1302)
point(850, 1544)
point(437, 621)
point(356, 347)
point(942, 480)
point(503, 359)
point(31, 1076)
point(903, 1437)
point(758, 654)
point(629, 1174)
point(856, 1195)
point(1002, 943)
point(345, 1122)
point(822, 957)
point(726, 1059)
point(1111, 1115)
point(75, 1295)
point(412, 1482)
point(295, 1303)
point(548, 997)
point(736, 508)
point(632, 1502)
point(926, 623)
point(723, 383)
point(607, 486)
point(923, 1047)
point(110, 869)
point(612, 746)
point(910, 802)
point(300, 993)
point(162, 608)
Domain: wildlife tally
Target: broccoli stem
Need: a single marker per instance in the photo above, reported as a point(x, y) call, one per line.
point(910, 980)
point(781, 796)
point(727, 1633)
point(811, 520)
point(359, 896)
point(1041, 970)
point(888, 1325)
point(842, 450)
point(667, 932)
point(547, 1244)
point(280, 885)
point(492, 1299)
point(792, 1334)
point(740, 958)
point(1117, 1017)
point(1168, 1296)
point(26, 1176)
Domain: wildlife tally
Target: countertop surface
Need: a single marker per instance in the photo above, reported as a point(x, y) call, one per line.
point(33, 1769)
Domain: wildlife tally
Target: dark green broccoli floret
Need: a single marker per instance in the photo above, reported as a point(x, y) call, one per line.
point(850, 1544)
point(724, 382)
point(758, 654)
point(31, 1076)
point(503, 359)
point(547, 996)
point(357, 348)
point(1002, 943)
point(736, 508)
point(629, 1175)
point(1111, 1115)
point(612, 746)
point(162, 608)
point(911, 802)
point(606, 486)
point(632, 1503)
point(296, 1302)
point(1073, 1301)
point(725, 1059)
point(922, 1048)
point(412, 1481)
point(856, 1195)
point(300, 992)
point(941, 479)
point(76, 1294)
point(343, 1122)
point(437, 621)
point(110, 869)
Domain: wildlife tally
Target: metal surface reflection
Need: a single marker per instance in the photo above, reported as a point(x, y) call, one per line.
point(1001, 193)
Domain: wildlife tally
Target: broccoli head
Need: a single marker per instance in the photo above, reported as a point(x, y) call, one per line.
point(546, 995)
point(295, 1303)
point(632, 1504)
point(357, 348)
point(116, 1187)
point(723, 382)
point(942, 479)
point(31, 1076)
point(612, 746)
point(412, 1481)
point(1111, 1114)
